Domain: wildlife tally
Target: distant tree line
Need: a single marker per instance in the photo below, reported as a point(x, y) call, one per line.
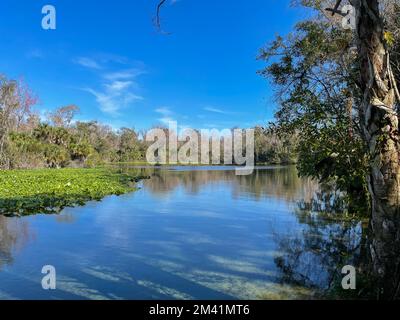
point(27, 141)
point(56, 140)
point(273, 147)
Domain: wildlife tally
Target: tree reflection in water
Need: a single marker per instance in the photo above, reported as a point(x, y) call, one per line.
point(330, 240)
point(308, 255)
point(14, 234)
point(282, 183)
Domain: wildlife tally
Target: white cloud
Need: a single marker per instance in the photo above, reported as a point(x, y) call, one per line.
point(118, 87)
point(164, 111)
point(115, 96)
point(166, 114)
point(215, 110)
point(87, 63)
point(166, 120)
point(123, 75)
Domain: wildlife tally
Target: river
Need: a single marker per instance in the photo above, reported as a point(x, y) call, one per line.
point(187, 233)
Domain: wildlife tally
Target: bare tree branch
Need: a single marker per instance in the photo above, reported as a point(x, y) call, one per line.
point(158, 18)
point(335, 9)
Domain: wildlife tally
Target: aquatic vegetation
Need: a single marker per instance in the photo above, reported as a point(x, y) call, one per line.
point(24, 192)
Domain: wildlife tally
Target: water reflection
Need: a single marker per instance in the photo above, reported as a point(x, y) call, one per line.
point(279, 182)
point(13, 236)
point(330, 240)
point(188, 233)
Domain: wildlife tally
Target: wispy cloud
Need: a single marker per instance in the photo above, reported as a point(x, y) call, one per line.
point(166, 114)
point(124, 74)
point(118, 88)
point(164, 111)
point(215, 110)
point(87, 63)
point(166, 120)
point(114, 97)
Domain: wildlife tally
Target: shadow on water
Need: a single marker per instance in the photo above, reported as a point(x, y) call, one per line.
point(188, 233)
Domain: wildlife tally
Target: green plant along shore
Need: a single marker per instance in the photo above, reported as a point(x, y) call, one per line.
point(26, 192)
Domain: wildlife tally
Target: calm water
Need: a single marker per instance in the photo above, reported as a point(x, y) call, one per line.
point(188, 233)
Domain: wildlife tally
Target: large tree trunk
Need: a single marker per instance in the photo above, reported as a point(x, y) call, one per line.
point(381, 132)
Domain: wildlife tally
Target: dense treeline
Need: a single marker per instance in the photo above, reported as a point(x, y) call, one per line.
point(273, 148)
point(29, 141)
point(80, 144)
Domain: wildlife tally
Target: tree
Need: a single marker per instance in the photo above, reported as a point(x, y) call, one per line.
point(129, 146)
point(8, 104)
point(314, 74)
point(337, 87)
point(63, 116)
point(273, 148)
point(380, 125)
point(16, 102)
point(27, 99)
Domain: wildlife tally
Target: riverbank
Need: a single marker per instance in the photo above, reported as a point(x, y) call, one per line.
point(25, 192)
point(145, 163)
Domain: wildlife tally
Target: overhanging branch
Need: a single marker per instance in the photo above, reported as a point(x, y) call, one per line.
point(157, 19)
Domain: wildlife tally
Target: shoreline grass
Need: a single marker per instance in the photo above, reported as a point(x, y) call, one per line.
point(44, 191)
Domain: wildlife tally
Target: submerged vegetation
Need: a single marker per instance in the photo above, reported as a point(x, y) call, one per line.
point(25, 192)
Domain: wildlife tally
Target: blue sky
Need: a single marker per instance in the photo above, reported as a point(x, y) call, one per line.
point(107, 58)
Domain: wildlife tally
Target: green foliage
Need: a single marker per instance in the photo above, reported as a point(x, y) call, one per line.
point(82, 145)
point(313, 72)
point(56, 156)
point(48, 191)
point(28, 142)
point(271, 148)
point(81, 150)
